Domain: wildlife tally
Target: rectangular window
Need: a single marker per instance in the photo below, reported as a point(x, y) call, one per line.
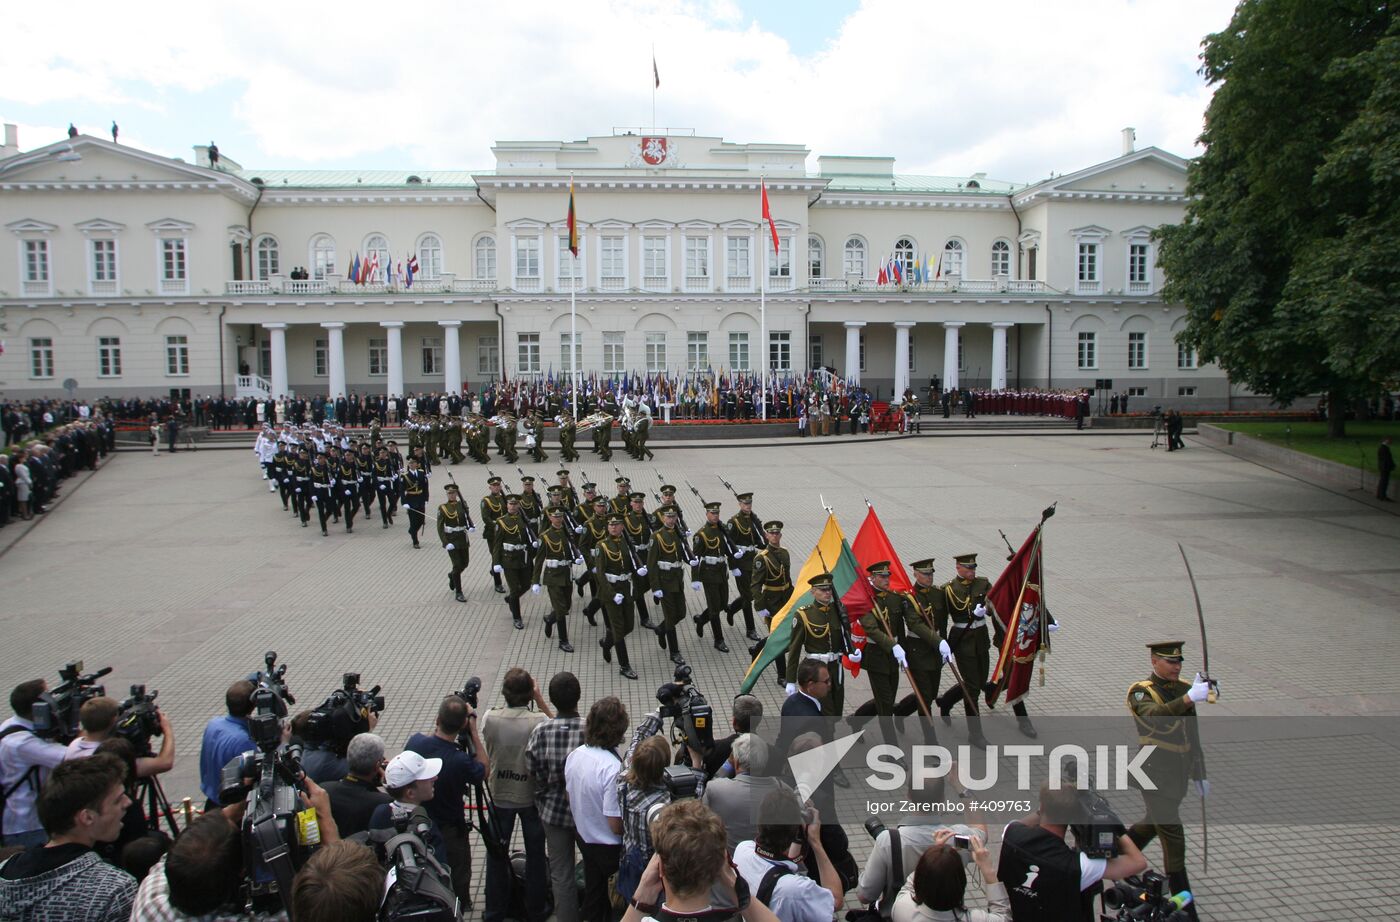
point(860, 344)
point(1088, 350)
point(1137, 350)
point(41, 357)
point(1001, 259)
point(1139, 272)
point(739, 351)
point(269, 259)
point(814, 258)
point(780, 266)
point(527, 353)
point(1088, 271)
point(816, 352)
point(265, 358)
point(569, 267)
point(656, 352)
point(109, 357)
point(1189, 391)
point(912, 350)
point(697, 351)
point(697, 257)
point(527, 257)
point(177, 355)
point(1137, 392)
point(486, 258)
point(323, 361)
point(654, 260)
point(104, 264)
point(853, 260)
point(613, 352)
point(172, 259)
point(737, 263)
point(564, 340)
point(1186, 356)
point(379, 357)
point(432, 355)
point(780, 350)
point(36, 261)
point(488, 356)
point(613, 262)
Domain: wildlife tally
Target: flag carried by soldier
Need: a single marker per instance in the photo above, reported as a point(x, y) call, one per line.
point(1021, 620)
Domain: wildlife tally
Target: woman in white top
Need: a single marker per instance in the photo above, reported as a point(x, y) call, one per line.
point(934, 892)
point(24, 482)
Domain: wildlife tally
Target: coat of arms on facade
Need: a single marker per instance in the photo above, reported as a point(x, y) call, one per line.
point(653, 152)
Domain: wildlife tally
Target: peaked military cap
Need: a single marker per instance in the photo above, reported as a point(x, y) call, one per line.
point(452, 488)
point(774, 527)
point(667, 488)
point(561, 473)
point(527, 479)
point(669, 509)
point(1168, 649)
point(744, 497)
point(622, 480)
point(879, 569)
point(600, 499)
point(554, 510)
point(967, 560)
point(636, 495)
point(590, 487)
point(512, 497)
point(712, 507)
point(822, 581)
point(614, 519)
point(492, 481)
point(922, 566)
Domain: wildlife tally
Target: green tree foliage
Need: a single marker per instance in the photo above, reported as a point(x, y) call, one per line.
point(1287, 258)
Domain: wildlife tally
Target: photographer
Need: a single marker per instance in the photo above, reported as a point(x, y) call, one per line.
point(590, 774)
point(409, 778)
point(342, 882)
point(642, 790)
point(98, 718)
point(917, 832)
point(25, 761)
point(747, 712)
point(506, 732)
point(549, 746)
point(355, 796)
point(200, 878)
point(225, 738)
point(934, 892)
point(1065, 880)
point(460, 771)
point(769, 863)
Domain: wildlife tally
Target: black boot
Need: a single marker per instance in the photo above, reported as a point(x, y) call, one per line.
point(946, 702)
point(564, 637)
point(675, 646)
point(700, 620)
point(720, 645)
point(516, 620)
point(624, 666)
point(1023, 720)
point(731, 608)
point(549, 620)
point(643, 614)
point(580, 583)
point(974, 732)
point(606, 642)
point(590, 610)
point(661, 632)
point(496, 578)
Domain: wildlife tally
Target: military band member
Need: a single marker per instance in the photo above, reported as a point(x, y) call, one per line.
point(323, 490)
point(665, 562)
point(926, 648)
point(615, 566)
point(884, 657)
point(568, 431)
point(415, 498)
point(493, 506)
point(534, 437)
point(553, 564)
point(641, 429)
point(963, 603)
point(714, 568)
point(820, 631)
point(453, 524)
point(347, 489)
point(510, 549)
point(1164, 708)
point(745, 536)
point(621, 502)
point(602, 438)
point(637, 527)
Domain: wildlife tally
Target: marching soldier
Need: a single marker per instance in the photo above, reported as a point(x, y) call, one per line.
point(745, 537)
point(282, 471)
point(665, 561)
point(713, 568)
point(386, 483)
point(884, 656)
point(615, 567)
point(594, 531)
point(508, 438)
point(637, 527)
point(493, 506)
point(963, 603)
point(397, 463)
point(454, 440)
point(347, 489)
point(568, 430)
point(569, 494)
point(1164, 708)
point(532, 509)
point(552, 565)
point(641, 428)
point(668, 498)
point(301, 490)
point(453, 524)
point(582, 520)
point(602, 438)
point(366, 484)
point(415, 498)
point(322, 490)
point(927, 650)
point(620, 503)
point(820, 631)
point(770, 583)
point(510, 547)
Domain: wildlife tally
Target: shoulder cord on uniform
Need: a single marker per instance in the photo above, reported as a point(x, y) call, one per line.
point(627, 520)
point(709, 545)
point(505, 526)
point(448, 510)
point(812, 630)
point(926, 616)
point(661, 542)
point(607, 551)
point(953, 601)
point(554, 547)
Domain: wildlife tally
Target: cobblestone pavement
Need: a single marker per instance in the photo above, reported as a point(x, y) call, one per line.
point(180, 571)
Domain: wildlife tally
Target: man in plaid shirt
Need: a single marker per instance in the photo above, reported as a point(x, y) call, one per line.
point(550, 743)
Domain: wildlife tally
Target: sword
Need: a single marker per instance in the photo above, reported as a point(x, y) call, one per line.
point(1213, 694)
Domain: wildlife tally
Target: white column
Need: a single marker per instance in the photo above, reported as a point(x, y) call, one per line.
point(451, 356)
point(335, 358)
point(901, 357)
point(999, 355)
point(853, 328)
point(279, 358)
point(395, 328)
point(950, 354)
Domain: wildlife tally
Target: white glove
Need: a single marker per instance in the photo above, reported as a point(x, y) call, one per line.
point(791, 689)
point(471, 529)
point(347, 493)
point(736, 572)
point(762, 613)
point(578, 529)
point(979, 612)
point(946, 651)
point(695, 584)
point(899, 656)
point(657, 594)
point(856, 656)
point(740, 552)
point(1199, 689)
point(1053, 626)
point(617, 599)
point(497, 568)
point(578, 561)
point(298, 489)
point(449, 547)
point(534, 543)
point(535, 588)
point(1202, 787)
point(641, 571)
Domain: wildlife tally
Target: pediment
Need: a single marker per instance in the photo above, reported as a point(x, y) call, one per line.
point(29, 226)
point(170, 226)
point(1147, 171)
point(100, 226)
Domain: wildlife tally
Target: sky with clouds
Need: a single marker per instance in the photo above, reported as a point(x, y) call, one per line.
point(1017, 89)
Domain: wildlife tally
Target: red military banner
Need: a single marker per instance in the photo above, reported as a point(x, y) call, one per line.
point(1017, 603)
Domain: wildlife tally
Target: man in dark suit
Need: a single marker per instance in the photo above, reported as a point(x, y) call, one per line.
point(1384, 464)
point(802, 710)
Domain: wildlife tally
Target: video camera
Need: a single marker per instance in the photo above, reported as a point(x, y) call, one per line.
point(139, 719)
point(56, 711)
point(692, 717)
point(343, 714)
point(420, 888)
point(471, 694)
point(1145, 898)
point(1097, 831)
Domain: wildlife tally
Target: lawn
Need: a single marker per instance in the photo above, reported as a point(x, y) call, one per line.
point(1357, 448)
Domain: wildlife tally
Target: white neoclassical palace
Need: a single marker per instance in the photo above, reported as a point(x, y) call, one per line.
point(135, 274)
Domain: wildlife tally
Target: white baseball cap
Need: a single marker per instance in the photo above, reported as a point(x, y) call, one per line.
point(408, 767)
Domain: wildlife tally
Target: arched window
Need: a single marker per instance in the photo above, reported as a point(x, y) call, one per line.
point(430, 256)
point(269, 260)
point(815, 260)
point(853, 259)
point(953, 258)
point(485, 258)
point(322, 256)
point(376, 245)
point(1001, 259)
point(904, 254)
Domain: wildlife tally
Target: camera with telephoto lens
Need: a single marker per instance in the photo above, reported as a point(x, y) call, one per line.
point(139, 719)
point(692, 718)
point(1145, 898)
point(471, 694)
point(419, 887)
point(56, 711)
point(343, 714)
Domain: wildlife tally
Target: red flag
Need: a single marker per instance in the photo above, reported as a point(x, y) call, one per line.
point(1017, 603)
point(872, 545)
point(882, 278)
point(768, 215)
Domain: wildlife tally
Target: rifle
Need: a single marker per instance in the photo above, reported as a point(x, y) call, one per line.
point(465, 508)
point(685, 528)
point(1010, 551)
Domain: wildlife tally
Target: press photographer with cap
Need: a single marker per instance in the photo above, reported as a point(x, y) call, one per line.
point(408, 779)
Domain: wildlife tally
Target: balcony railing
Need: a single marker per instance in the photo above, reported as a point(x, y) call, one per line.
point(527, 283)
point(820, 284)
point(613, 283)
point(570, 283)
point(655, 282)
point(1139, 288)
point(1083, 287)
point(174, 286)
point(738, 283)
point(464, 286)
point(697, 283)
point(780, 283)
point(248, 287)
point(306, 287)
point(1025, 286)
point(99, 287)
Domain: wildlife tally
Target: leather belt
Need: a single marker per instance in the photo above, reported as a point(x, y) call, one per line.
point(514, 547)
point(618, 577)
point(552, 564)
point(454, 530)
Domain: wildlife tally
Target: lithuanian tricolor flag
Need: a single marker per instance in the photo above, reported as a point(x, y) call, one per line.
point(573, 220)
point(852, 587)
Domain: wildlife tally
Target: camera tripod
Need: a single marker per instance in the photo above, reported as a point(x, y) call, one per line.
point(1159, 431)
point(151, 796)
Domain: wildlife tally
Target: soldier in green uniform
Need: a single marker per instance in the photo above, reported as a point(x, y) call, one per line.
point(602, 438)
point(621, 502)
point(567, 492)
point(510, 556)
point(531, 505)
point(509, 435)
point(493, 506)
point(1164, 708)
point(553, 563)
point(453, 523)
point(820, 631)
point(963, 604)
point(926, 648)
point(884, 657)
point(637, 527)
point(615, 566)
point(716, 565)
point(454, 440)
point(432, 440)
point(745, 536)
point(668, 498)
point(665, 560)
point(568, 430)
point(534, 437)
point(594, 530)
point(770, 583)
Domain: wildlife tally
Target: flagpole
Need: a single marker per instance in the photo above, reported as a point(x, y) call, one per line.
point(763, 333)
point(653, 87)
point(573, 307)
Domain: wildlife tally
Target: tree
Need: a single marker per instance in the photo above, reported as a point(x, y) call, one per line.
point(1285, 258)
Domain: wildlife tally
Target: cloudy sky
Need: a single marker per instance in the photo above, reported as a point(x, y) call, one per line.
point(1013, 88)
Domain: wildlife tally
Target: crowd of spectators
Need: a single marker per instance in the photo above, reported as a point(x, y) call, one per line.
point(663, 830)
point(39, 454)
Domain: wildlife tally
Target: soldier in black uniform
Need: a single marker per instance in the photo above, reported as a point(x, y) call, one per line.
point(347, 489)
point(963, 603)
point(386, 483)
point(510, 548)
point(557, 556)
point(1164, 708)
point(493, 506)
point(616, 566)
point(323, 490)
point(454, 521)
point(745, 536)
point(415, 498)
point(637, 528)
point(301, 485)
point(716, 564)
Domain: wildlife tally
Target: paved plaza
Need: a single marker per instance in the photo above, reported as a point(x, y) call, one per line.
point(181, 571)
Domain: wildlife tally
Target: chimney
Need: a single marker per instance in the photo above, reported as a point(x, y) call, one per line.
point(1129, 136)
point(11, 146)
